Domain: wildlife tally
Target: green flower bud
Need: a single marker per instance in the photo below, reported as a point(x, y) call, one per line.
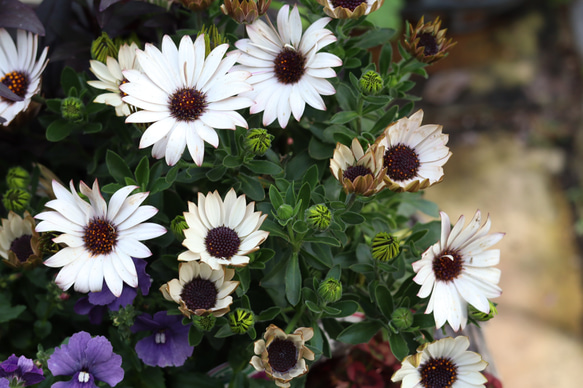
point(402, 318)
point(204, 322)
point(241, 320)
point(258, 141)
point(371, 82)
point(72, 109)
point(178, 225)
point(16, 200)
point(104, 47)
point(330, 290)
point(479, 316)
point(17, 178)
point(384, 247)
point(318, 217)
point(285, 212)
point(212, 37)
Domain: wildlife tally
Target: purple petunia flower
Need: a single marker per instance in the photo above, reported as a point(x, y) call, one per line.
point(4, 383)
point(168, 345)
point(95, 304)
point(21, 369)
point(87, 360)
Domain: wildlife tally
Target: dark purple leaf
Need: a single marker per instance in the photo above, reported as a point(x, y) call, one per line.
point(17, 15)
point(106, 3)
point(5, 92)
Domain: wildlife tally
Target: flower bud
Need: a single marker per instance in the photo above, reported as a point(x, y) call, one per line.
point(402, 318)
point(178, 225)
point(371, 82)
point(16, 200)
point(72, 109)
point(103, 47)
point(196, 5)
point(285, 212)
point(318, 217)
point(204, 322)
point(480, 316)
point(241, 320)
point(384, 247)
point(212, 38)
point(258, 141)
point(245, 11)
point(330, 290)
point(17, 178)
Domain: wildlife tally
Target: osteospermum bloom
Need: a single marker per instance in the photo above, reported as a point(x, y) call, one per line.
point(19, 241)
point(201, 290)
point(358, 171)
point(86, 359)
point(21, 371)
point(111, 77)
point(168, 343)
point(443, 363)
point(101, 239)
point(287, 69)
point(222, 232)
point(458, 270)
point(283, 356)
point(185, 96)
point(19, 70)
point(414, 153)
point(350, 9)
point(427, 41)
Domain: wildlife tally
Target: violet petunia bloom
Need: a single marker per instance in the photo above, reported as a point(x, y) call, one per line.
point(87, 360)
point(21, 369)
point(96, 304)
point(168, 344)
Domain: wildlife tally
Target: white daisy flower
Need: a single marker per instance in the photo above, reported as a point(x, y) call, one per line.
point(201, 290)
point(185, 96)
point(111, 77)
point(222, 233)
point(19, 70)
point(443, 363)
point(101, 239)
point(288, 71)
point(414, 153)
point(458, 270)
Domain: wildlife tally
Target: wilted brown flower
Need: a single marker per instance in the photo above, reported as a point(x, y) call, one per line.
point(350, 9)
point(245, 11)
point(427, 42)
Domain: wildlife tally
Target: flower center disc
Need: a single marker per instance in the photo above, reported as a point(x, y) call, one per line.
point(289, 66)
point(121, 92)
point(199, 294)
point(402, 162)
point(445, 268)
point(282, 355)
point(350, 4)
point(187, 104)
point(17, 82)
point(429, 44)
point(354, 172)
point(21, 247)
point(438, 373)
point(222, 242)
point(100, 237)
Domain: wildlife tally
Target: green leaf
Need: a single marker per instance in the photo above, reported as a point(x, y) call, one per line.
point(58, 130)
point(42, 328)
point(7, 312)
point(362, 268)
point(398, 346)
point(232, 161)
point(346, 307)
point(344, 117)
point(386, 119)
point(92, 128)
point(172, 174)
point(359, 332)
point(293, 280)
point(323, 239)
point(275, 197)
point(376, 38)
point(252, 187)
point(384, 300)
point(313, 307)
point(300, 226)
point(111, 188)
point(264, 167)
point(117, 167)
point(142, 172)
point(319, 150)
point(311, 177)
point(352, 218)
point(216, 173)
point(194, 336)
point(268, 314)
point(273, 229)
point(70, 79)
point(304, 195)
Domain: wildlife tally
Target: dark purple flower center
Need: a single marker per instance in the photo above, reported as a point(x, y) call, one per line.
point(350, 4)
point(100, 236)
point(199, 294)
point(187, 104)
point(402, 162)
point(21, 247)
point(289, 66)
point(447, 266)
point(354, 172)
point(438, 373)
point(429, 44)
point(17, 82)
point(222, 242)
point(282, 355)
point(121, 92)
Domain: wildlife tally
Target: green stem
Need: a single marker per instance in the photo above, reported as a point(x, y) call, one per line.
point(295, 319)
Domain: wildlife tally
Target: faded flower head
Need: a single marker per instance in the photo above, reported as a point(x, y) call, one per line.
point(245, 11)
point(358, 171)
point(201, 290)
point(19, 241)
point(426, 41)
point(282, 356)
point(350, 9)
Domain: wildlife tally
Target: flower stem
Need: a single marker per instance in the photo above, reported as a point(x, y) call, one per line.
point(295, 319)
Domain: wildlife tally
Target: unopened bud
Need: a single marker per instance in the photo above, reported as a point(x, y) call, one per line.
point(17, 178)
point(72, 109)
point(178, 225)
point(402, 318)
point(204, 322)
point(103, 47)
point(318, 217)
point(481, 316)
point(258, 141)
point(241, 320)
point(371, 82)
point(384, 247)
point(330, 290)
point(16, 200)
point(285, 212)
